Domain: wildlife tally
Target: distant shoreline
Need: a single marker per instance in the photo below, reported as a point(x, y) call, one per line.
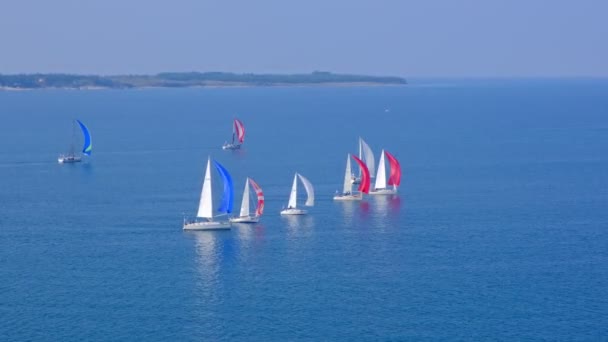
point(190, 80)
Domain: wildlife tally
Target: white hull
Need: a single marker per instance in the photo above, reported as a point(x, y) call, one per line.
point(68, 159)
point(231, 147)
point(383, 192)
point(349, 197)
point(245, 219)
point(293, 211)
point(207, 225)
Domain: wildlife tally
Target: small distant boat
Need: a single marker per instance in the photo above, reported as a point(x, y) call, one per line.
point(245, 215)
point(71, 156)
point(238, 133)
point(380, 187)
point(292, 204)
point(205, 207)
point(367, 155)
point(347, 193)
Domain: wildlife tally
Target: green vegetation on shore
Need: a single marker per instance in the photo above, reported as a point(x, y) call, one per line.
point(188, 79)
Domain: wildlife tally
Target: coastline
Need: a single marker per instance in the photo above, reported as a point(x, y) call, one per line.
point(215, 86)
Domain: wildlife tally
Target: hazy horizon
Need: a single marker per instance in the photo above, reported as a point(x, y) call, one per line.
point(434, 39)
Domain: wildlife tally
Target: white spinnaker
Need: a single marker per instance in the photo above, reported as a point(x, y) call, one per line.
point(205, 206)
point(294, 193)
point(310, 191)
point(381, 175)
point(347, 177)
point(245, 202)
point(367, 157)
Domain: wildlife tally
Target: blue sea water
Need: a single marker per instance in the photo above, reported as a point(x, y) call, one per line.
point(499, 231)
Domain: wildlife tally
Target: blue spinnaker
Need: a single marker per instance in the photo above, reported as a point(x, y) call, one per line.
point(88, 145)
point(228, 197)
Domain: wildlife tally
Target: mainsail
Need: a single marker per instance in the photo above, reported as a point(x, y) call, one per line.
point(205, 206)
point(348, 185)
point(245, 202)
point(381, 175)
point(367, 155)
point(293, 196)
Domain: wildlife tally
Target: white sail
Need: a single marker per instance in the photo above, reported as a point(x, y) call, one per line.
point(310, 191)
point(245, 202)
point(348, 185)
point(367, 156)
point(205, 207)
point(381, 175)
point(294, 192)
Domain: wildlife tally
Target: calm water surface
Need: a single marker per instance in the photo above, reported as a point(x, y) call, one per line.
point(500, 228)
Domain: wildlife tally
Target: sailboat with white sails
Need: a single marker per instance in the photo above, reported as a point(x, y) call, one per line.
point(367, 155)
point(238, 132)
point(292, 208)
point(205, 207)
point(381, 185)
point(245, 215)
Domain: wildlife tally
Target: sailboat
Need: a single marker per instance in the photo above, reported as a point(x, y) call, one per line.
point(238, 132)
point(292, 204)
point(245, 215)
point(367, 155)
point(71, 156)
point(205, 207)
point(380, 187)
point(347, 193)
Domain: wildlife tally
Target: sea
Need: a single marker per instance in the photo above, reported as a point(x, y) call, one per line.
point(499, 230)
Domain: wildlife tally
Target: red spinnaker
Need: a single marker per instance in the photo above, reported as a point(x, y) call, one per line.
point(239, 128)
point(365, 178)
point(395, 177)
point(258, 191)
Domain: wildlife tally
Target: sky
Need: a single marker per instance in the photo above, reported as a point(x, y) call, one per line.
point(421, 38)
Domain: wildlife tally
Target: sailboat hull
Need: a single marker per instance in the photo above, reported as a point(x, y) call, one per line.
point(231, 147)
point(293, 211)
point(349, 197)
point(383, 192)
point(206, 225)
point(245, 219)
point(68, 159)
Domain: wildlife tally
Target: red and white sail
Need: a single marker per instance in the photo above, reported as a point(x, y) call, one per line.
point(395, 176)
point(259, 210)
point(239, 130)
point(365, 177)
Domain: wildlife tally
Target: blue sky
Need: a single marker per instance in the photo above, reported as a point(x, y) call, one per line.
point(448, 38)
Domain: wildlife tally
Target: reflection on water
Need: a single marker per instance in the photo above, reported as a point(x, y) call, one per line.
point(348, 210)
point(395, 204)
point(364, 210)
point(249, 232)
point(207, 256)
point(299, 225)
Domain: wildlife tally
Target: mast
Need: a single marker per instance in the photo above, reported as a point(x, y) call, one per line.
point(72, 153)
point(360, 154)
